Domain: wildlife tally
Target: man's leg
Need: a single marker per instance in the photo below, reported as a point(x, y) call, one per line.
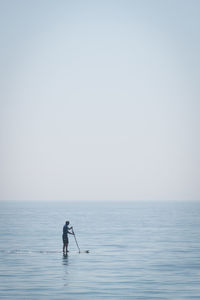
point(67, 246)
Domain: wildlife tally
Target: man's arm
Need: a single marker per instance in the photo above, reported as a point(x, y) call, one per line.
point(71, 228)
point(70, 232)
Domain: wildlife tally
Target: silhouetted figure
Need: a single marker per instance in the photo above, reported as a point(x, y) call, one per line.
point(65, 236)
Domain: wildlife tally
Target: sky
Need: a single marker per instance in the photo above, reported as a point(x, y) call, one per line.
point(99, 100)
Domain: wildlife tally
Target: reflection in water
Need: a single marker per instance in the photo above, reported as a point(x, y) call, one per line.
point(65, 259)
point(65, 264)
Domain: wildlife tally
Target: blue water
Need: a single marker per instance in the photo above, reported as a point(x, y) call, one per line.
point(137, 250)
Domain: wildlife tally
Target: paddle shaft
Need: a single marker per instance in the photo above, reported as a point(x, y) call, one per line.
point(76, 242)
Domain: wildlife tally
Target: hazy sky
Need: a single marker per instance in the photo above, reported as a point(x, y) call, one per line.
point(100, 100)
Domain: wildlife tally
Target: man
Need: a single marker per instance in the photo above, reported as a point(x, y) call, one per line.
point(65, 236)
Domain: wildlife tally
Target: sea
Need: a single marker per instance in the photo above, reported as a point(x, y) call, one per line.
point(137, 250)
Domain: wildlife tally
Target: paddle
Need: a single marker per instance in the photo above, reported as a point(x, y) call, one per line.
point(79, 251)
point(76, 241)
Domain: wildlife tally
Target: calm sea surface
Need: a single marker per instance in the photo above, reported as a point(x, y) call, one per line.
point(137, 250)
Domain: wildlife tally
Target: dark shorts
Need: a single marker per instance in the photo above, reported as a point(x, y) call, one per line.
point(65, 239)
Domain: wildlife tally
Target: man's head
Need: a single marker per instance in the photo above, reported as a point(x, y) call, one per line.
point(67, 222)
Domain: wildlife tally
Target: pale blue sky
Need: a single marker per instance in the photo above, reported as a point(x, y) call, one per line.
point(99, 100)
